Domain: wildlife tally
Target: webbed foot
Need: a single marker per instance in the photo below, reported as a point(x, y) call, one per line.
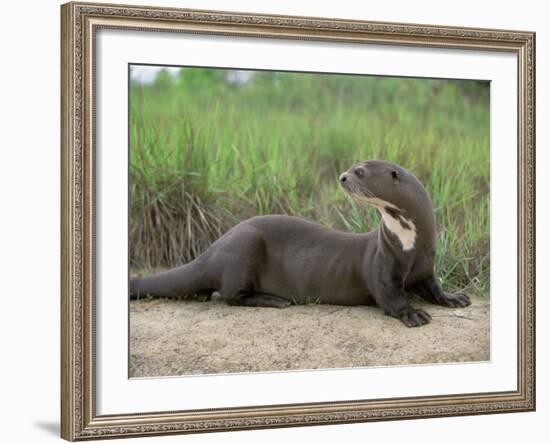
point(412, 317)
point(456, 300)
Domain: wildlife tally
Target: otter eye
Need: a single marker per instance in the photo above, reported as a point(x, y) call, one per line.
point(359, 172)
point(394, 174)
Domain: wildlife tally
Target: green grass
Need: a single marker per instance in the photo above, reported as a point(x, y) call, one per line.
point(206, 154)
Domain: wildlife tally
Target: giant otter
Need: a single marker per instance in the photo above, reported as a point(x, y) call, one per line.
point(277, 260)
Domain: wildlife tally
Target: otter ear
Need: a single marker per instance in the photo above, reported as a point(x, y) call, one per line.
point(394, 174)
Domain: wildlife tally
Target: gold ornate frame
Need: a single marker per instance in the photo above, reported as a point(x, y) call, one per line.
point(79, 22)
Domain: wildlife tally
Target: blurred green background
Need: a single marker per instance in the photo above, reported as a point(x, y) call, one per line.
point(212, 147)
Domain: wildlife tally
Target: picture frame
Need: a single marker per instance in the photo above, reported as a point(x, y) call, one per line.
point(81, 22)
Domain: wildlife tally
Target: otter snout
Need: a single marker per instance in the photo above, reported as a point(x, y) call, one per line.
point(356, 172)
point(346, 181)
point(353, 182)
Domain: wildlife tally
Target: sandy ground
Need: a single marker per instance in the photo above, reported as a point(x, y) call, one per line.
point(177, 337)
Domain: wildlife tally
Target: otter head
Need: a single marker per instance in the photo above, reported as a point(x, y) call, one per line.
point(399, 196)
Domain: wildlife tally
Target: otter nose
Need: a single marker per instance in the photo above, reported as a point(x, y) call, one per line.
point(343, 177)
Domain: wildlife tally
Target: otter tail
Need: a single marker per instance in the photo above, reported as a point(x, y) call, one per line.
point(184, 280)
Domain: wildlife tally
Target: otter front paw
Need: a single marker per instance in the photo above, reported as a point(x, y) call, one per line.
point(456, 300)
point(414, 317)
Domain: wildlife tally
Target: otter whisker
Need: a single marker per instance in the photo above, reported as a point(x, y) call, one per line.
point(369, 193)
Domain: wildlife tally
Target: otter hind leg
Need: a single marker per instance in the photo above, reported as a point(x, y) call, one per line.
point(432, 291)
point(256, 299)
point(265, 300)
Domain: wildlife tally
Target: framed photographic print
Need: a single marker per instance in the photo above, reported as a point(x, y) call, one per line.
point(282, 221)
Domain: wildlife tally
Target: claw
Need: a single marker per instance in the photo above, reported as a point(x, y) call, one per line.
point(415, 317)
point(463, 299)
point(457, 300)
